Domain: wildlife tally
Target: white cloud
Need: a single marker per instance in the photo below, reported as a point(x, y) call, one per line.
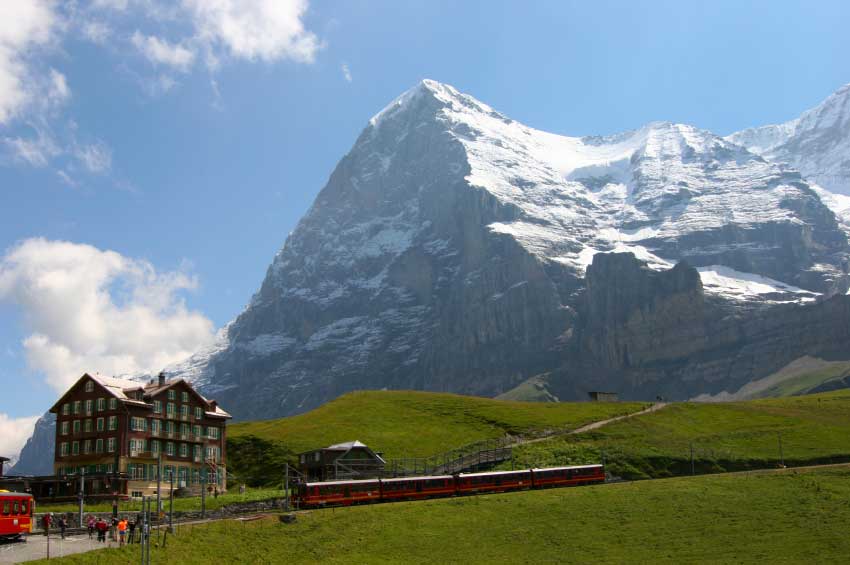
point(96, 31)
point(346, 72)
point(93, 310)
point(268, 30)
point(14, 433)
point(95, 157)
point(24, 25)
point(161, 52)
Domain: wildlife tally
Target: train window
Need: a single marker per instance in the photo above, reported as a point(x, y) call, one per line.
point(24, 507)
point(6, 507)
point(14, 507)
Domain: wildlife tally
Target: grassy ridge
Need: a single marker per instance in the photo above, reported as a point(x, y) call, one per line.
point(788, 516)
point(725, 436)
point(807, 381)
point(401, 424)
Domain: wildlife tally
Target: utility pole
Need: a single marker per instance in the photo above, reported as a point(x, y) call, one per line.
point(82, 493)
point(171, 505)
point(693, 472)
point(142, 528)
point(286, 486)
point(158, 483)
point(148, 522)
point(203, 492)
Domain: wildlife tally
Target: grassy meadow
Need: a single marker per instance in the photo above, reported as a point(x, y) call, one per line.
point(401, 424)
point(725, 436)
point(789, 516)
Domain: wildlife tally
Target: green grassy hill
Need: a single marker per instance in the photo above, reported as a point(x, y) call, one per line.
point(763, 517)
point(400, 424)
point(725, 436)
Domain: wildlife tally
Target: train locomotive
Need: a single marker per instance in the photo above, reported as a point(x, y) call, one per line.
point(346, 493)
point(16, 511)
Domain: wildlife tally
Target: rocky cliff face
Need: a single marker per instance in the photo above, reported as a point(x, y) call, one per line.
point(456, 249)
point(648, 333)
point(36, 457)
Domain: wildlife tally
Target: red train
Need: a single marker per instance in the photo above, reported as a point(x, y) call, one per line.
point(16, 509)
point(346, 493)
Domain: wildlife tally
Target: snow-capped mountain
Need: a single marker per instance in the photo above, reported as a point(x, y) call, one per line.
point(817, 143)
point(456, 249)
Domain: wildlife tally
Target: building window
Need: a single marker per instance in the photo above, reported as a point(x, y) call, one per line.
point(64, 428)
point(64, 449)
point(75, 448)
point(316, 455)
point(184, 450)
point(110, 445)
point(76, 426)
point(137, 494)
point(169, 448)
point(100, 423)
point(88, 426)
point(112, 423)
point(212, 432)
point(138, 424)
point(87, 446)
point(196, 430)
point(157, 406)
point(172, 394)
point(155, 427)
point(101, 404)
point(98, 445)
point(155, 446)
point(77, 406)
point(196, 452)
point(199, 413)
point(137, 446)
point(184, 396)
point(169, 410)
point(184, 412)
point(110, 467)
point(184, 431)
point(113, 404)
point(89, 386)
point(66, 409)
point(169, 428)
point(89, 405)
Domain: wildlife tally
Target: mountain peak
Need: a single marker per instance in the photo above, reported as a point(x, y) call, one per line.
point(817, 143)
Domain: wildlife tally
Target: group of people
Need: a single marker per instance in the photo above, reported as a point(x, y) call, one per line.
point(49, 520)
point(124, 530)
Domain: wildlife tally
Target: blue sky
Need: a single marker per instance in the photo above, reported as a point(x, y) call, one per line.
point(190, 149)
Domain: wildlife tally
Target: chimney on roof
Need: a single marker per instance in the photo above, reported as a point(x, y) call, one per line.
point(162, 379)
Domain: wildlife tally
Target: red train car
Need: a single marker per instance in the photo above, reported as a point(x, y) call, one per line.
point(568, 476)
point(498, 481)
point(345, 493)
point(413, 488)
point(16, 510)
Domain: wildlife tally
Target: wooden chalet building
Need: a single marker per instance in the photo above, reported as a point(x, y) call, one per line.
point(116, 433)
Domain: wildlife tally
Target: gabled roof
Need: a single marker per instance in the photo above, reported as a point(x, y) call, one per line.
point(347, 446)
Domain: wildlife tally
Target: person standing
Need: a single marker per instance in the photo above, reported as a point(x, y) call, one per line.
point(101, 529)
point(63, 525)
point(113, 530)
point(90, 522)
point(46, 521)
point(132, 533)
point(122, 531)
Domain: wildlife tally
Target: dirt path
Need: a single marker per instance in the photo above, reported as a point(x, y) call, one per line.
point(595, 425)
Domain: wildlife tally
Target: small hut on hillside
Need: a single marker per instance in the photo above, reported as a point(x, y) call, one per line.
point(349, 460)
